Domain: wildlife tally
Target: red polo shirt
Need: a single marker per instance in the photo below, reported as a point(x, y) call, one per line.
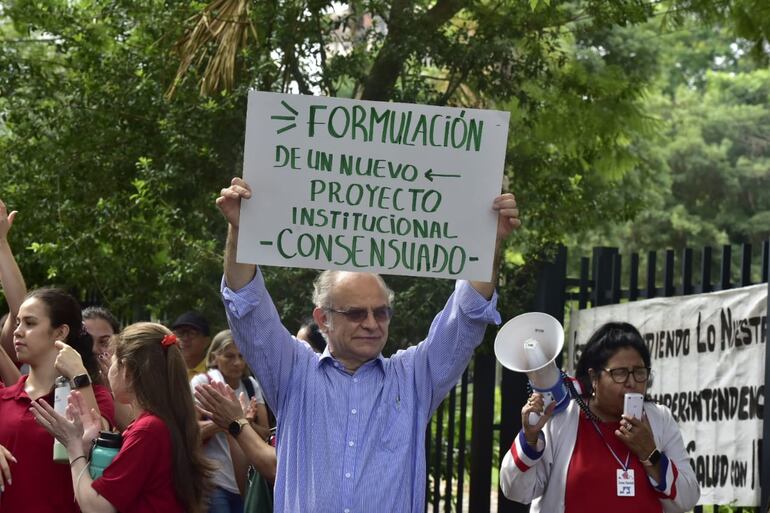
point(141, 477)
point(39, 484)
point(592, 474)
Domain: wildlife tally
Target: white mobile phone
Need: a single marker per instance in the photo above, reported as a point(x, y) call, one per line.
point(633, 405)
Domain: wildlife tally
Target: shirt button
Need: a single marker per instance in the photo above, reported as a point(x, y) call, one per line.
point(353, 411)
point(347, 510)
point(350, 443)
point(347, 474)
point(355, 380)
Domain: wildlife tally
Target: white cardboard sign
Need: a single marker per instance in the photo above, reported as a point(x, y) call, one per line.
point(371, 186)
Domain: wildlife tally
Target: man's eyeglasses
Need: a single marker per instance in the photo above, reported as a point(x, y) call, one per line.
point(186, 332)
point(620, 375)
point(381, 313)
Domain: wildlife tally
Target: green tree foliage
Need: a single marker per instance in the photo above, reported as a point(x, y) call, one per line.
point(116, 183)
point(709, 170)
point(115, 186)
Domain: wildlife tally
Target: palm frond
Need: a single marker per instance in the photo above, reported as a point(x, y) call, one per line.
point(223, 28)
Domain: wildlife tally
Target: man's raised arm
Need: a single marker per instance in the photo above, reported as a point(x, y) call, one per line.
point(269, 349)
point(229, 202)
point(459, 328)
point(507, 221)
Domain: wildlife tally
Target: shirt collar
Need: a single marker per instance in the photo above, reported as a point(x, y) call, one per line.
point(16, 391)
point(327, 356)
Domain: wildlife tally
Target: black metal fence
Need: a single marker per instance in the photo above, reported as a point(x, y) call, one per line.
point(461, 457)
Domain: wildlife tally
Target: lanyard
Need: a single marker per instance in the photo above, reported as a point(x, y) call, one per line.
point(614, 455)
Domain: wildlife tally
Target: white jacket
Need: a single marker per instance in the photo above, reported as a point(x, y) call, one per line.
point(540, 476)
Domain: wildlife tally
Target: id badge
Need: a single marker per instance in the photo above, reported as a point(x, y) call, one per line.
point(625, 480)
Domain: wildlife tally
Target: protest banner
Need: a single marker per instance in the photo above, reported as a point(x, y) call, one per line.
point(382, 187)
point(708, 360)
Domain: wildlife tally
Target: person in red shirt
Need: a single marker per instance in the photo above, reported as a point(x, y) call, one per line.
point(593, 456)
point(46, 319)
point(160, 466)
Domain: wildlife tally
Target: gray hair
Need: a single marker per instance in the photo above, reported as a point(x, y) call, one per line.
point(324, 283)
point(219, 343)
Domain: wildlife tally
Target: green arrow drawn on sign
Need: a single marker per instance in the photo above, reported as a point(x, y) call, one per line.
point(429, 174)
point(286, 118)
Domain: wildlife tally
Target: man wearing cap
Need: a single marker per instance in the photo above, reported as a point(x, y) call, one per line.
point(192, 330)
point(351, 423)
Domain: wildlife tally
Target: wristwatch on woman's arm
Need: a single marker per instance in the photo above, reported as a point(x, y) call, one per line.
point(236, 426)
point(81, 381)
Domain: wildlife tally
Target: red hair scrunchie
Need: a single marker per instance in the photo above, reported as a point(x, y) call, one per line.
point(168, 340)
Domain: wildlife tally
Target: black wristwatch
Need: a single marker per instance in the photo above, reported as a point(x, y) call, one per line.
point(236, 426)
point(652, 459)
point(81, 381)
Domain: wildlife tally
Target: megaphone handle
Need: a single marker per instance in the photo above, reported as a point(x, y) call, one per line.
point(534, 417)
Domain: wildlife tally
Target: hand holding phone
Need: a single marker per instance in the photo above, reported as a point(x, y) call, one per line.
point(633, 405)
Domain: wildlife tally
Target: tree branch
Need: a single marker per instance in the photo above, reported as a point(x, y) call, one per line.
point(400, 43)
point(454, 83)
point(322, 50)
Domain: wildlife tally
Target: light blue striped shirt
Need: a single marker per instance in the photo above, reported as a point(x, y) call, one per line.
point(354, 443)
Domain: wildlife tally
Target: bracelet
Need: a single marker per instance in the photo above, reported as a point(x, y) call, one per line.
point(81, 456)
point(77, 484)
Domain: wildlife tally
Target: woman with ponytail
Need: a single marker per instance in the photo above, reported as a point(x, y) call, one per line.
point(160, 466)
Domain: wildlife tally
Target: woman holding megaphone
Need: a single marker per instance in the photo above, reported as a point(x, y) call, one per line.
point(594, 455)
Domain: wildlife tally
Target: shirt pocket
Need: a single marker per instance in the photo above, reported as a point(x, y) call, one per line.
point(396, 425)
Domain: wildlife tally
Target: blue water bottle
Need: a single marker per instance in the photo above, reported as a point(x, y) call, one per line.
point(105, 448)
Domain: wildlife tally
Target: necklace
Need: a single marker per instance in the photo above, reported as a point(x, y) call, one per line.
point(596, 416)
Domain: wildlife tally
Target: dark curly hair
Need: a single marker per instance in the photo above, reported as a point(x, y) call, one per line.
point(603, 344)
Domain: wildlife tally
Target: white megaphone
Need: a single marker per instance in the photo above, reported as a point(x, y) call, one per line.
point(530, 343)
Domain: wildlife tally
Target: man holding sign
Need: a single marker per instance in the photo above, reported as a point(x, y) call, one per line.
point(351, 424)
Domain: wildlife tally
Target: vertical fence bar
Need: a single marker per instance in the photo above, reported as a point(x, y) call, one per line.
point(705, 286)
point(745, 265)
point(584, 292)
point(481, 439)
point(724, 275)
point(461, 446)
point(616, 289)
point(687, 287)
point(602, 275)
point(450, 449)
point(439, 416)
point(705, 270)
point(668, 274)
point(652, 258)
point(633, 279)
point(513, 394)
